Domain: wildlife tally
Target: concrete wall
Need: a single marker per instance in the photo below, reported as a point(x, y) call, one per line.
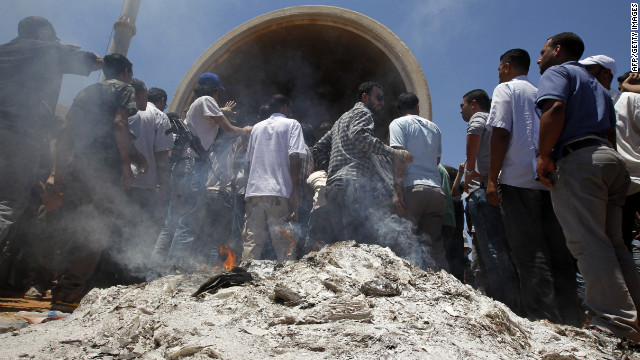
point(317, 55)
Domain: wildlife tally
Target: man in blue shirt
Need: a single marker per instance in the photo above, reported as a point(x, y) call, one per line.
point(588, 181)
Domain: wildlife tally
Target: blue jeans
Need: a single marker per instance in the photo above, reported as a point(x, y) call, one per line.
point(179, 230)
point(493, 249)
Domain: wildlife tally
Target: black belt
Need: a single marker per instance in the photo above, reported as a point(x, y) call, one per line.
point(581, 144)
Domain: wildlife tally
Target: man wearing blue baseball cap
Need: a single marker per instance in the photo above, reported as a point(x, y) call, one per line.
point(204, 119)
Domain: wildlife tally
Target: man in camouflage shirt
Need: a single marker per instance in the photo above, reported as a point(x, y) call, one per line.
point(347, 152)
point(92, 162)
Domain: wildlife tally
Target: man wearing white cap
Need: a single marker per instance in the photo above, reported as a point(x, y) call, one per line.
point(602, 67)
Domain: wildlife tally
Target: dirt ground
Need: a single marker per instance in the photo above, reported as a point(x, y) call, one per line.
point(347, 301)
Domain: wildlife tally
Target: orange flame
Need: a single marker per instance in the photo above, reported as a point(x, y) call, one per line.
point(287, 235)
point(231, 257)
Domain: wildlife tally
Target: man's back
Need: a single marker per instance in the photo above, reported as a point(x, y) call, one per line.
point(149, 127)
point(31, 74)
point(422, 139)
point(272, 141)
point(90, 120)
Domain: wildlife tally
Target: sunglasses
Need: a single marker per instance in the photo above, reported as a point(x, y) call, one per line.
point(380, 97)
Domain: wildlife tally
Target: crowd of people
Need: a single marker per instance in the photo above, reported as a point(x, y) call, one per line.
point(119, 192)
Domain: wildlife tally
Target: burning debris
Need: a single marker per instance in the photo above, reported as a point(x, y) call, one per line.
point(345, 301)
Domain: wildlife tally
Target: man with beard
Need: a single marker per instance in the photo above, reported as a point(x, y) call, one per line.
point(588, 181)
point(347, 151)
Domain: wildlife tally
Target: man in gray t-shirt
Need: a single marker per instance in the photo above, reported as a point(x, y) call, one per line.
point(491, 244)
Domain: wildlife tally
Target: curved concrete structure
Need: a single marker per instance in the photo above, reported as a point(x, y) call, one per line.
point(317, 55)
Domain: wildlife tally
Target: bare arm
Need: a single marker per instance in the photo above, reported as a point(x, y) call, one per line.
point(632, 83)
point(398, 175)
point(551, 123)
point(294, 200)
point(473, 145)
point(455, 188)
point(499, 143)
point(233, 131)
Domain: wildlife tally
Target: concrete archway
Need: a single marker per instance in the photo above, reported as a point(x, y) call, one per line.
point(317, 55)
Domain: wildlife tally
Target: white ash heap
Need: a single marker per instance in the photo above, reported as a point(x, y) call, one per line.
point(315, 308)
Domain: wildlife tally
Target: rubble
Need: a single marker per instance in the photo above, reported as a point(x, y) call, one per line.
point(314, 308)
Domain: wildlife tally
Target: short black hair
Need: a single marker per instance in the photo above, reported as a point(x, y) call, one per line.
point(156, 95)
point(205, 90)
point(366, 88)
point(518, 58)
point(115, 64)
point(264, 112)
point(308, 135)
point(624, 77)
point(277, 101)
point(480, 96)
point(569, 42)
point(138, 85)
point(407, 101)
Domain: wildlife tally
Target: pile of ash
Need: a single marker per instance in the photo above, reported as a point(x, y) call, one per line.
point(347, 301)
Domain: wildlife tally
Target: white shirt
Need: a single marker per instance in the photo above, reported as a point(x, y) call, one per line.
point(422, 139)
point(628, 136)
point(148, 127)
point(197, 120)
point(272, 141)
point(513, 108)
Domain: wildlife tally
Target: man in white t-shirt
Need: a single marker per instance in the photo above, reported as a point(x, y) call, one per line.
point(188, 176)
point(545, 268)
point(417, 186)
point(272, 194)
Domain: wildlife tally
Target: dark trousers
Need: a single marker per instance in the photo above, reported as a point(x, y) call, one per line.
point(215, 230)
point(631, 206)
point(85, 223)
point(493, 250)
point(545, 266)
point(348, 216)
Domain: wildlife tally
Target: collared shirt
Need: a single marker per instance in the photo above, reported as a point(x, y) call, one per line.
point(149, 128)
point(589, 109)
point(513, 108)
point(349, 146)
point(422, 139)
point(478, 126)
point(628, 136)
point(272, 141)
point(201, 125)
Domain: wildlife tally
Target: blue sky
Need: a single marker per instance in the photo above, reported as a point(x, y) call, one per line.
point(457, 43)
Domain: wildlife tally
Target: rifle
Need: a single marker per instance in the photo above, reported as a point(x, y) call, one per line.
point(183, 137)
